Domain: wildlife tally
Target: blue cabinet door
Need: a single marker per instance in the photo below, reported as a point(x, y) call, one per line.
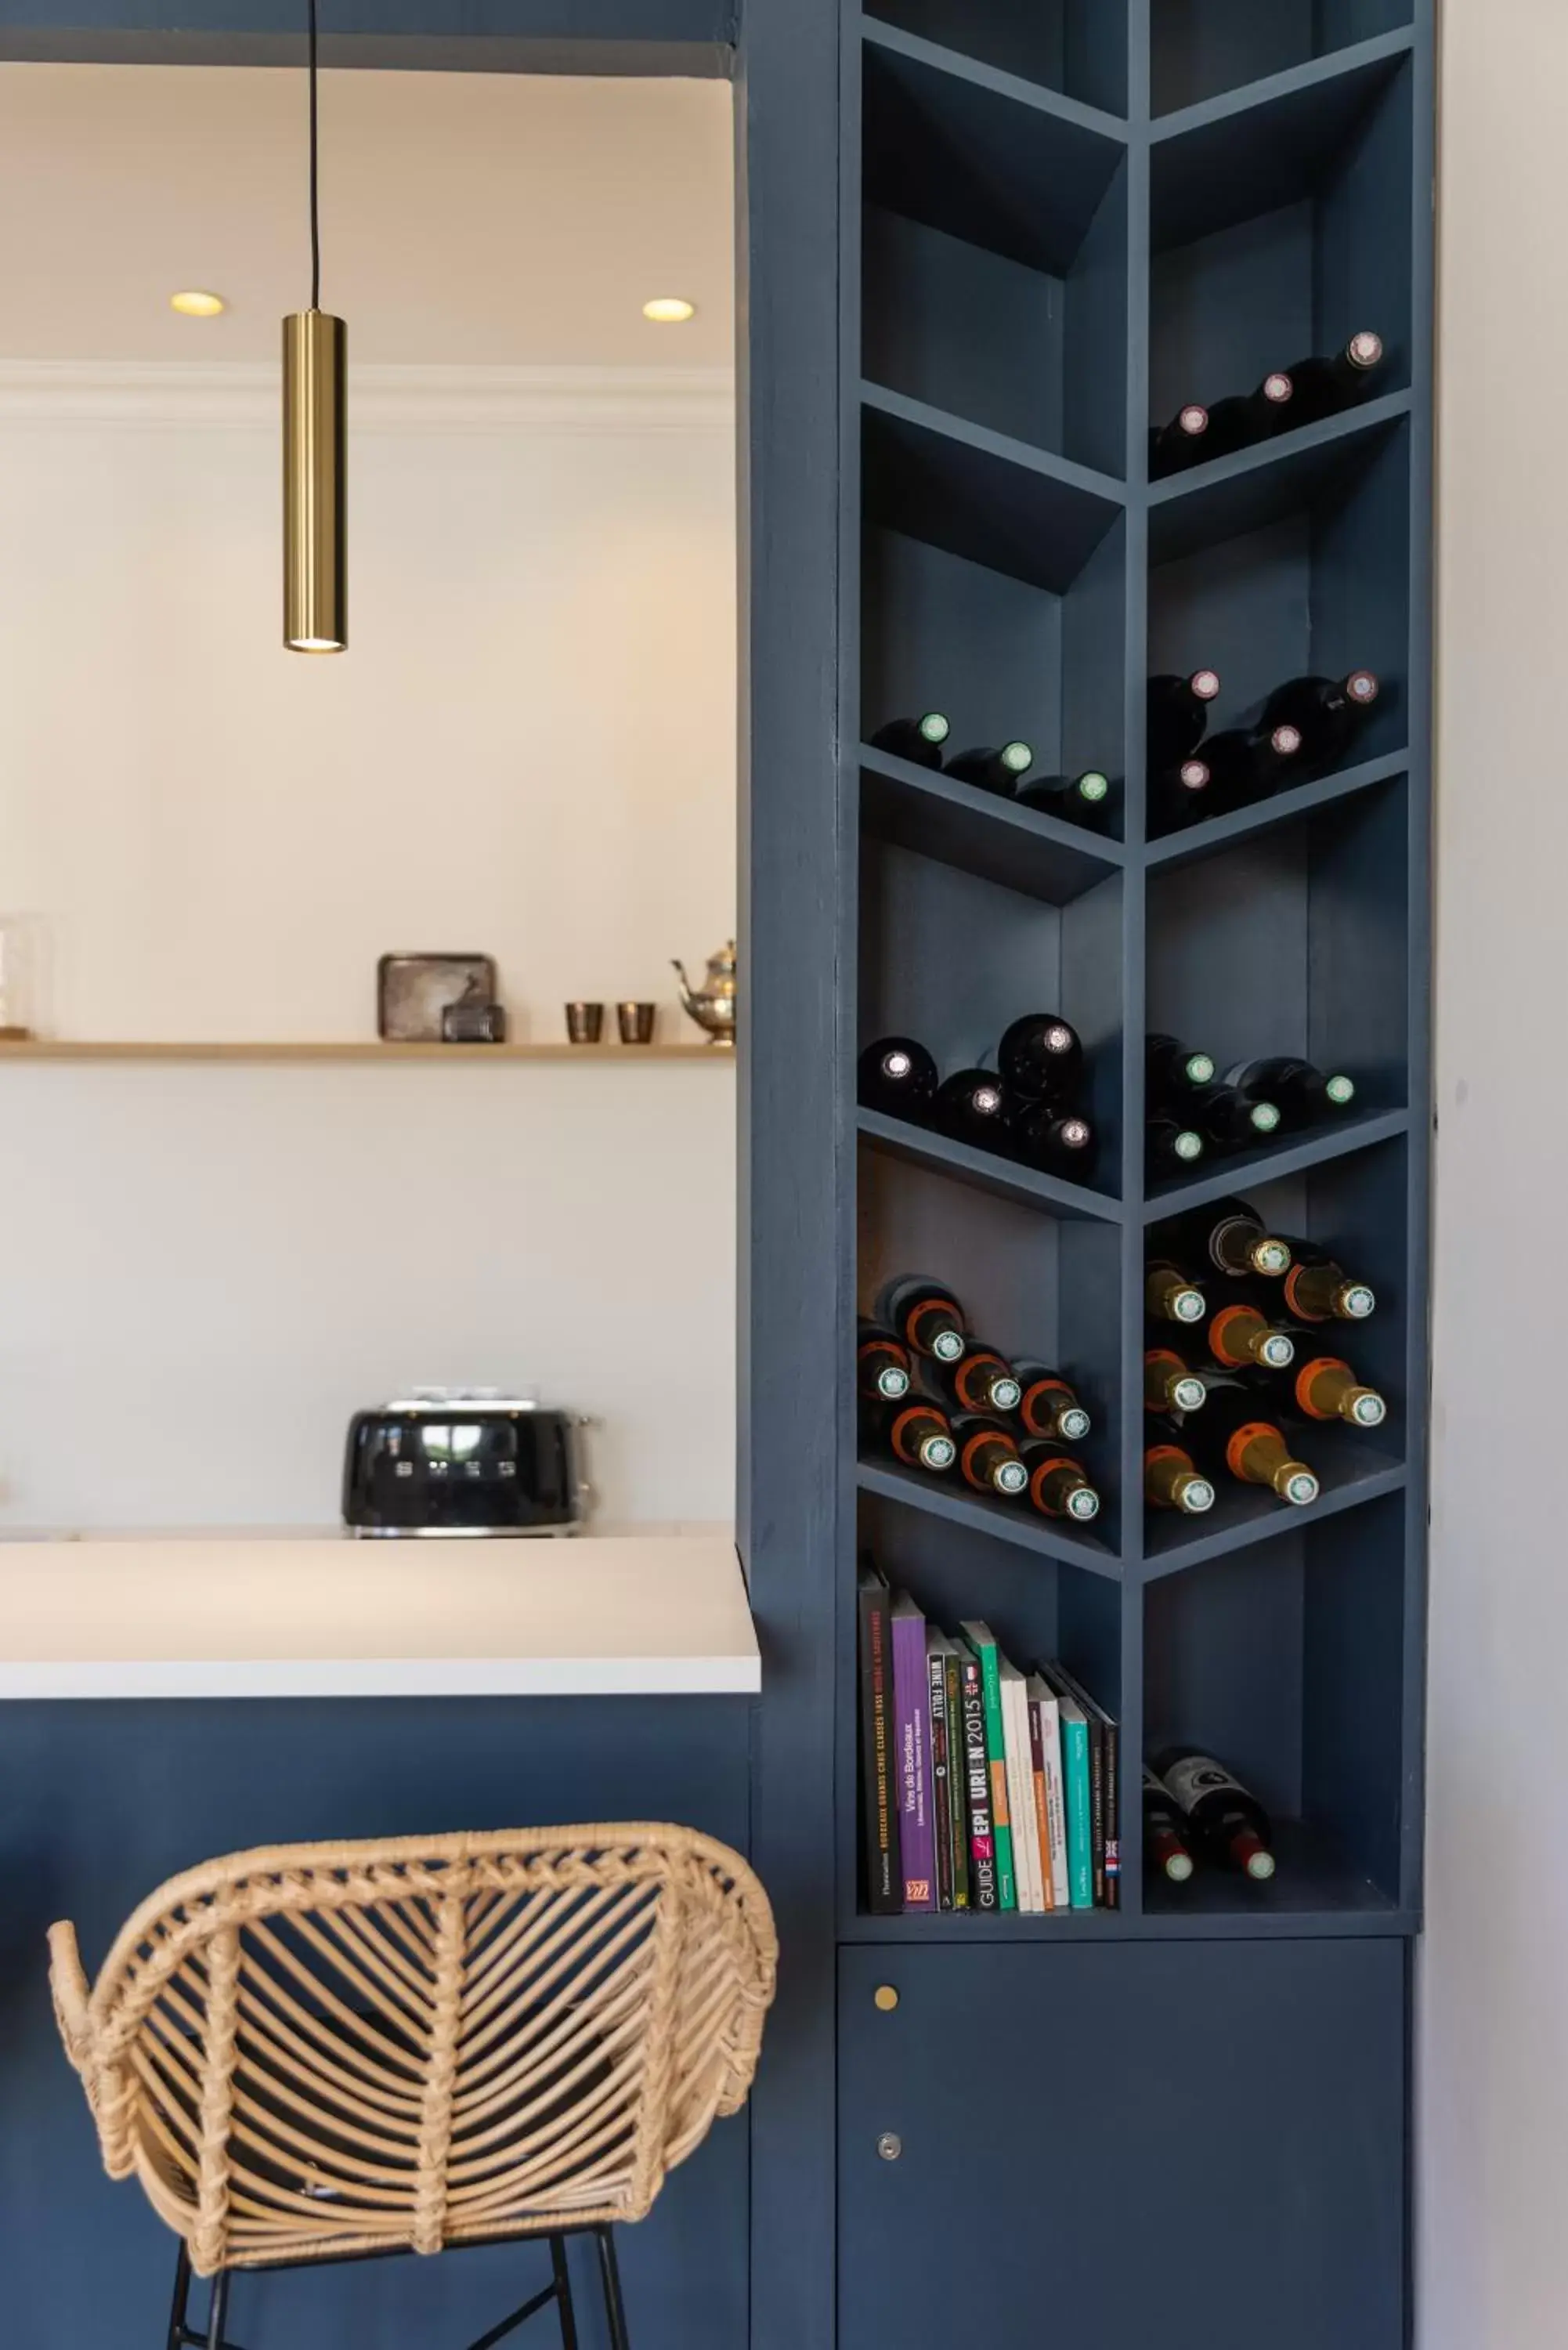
point(1165, 2146)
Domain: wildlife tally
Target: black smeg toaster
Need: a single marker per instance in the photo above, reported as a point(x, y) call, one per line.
point(453, 1462)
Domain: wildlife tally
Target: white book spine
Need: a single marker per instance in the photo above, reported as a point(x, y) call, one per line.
point(1020, 1796)
point(1055, 1790)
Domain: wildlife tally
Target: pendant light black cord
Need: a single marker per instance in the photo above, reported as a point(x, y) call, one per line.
point(315, 197)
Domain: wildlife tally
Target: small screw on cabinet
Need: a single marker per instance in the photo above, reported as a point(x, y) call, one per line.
point(889, 2146)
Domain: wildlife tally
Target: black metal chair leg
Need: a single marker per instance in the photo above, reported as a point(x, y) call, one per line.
point(610, 2272)
point(180, 2311)
point(218, 2311)
point(564, 2292)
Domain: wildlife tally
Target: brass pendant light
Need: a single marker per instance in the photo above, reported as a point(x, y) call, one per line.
point(315, 454)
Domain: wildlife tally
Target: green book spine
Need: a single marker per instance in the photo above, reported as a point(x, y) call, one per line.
point(1080, 1813)
point(980, 1639)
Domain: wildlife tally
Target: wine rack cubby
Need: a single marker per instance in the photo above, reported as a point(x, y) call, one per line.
point(1059, 228)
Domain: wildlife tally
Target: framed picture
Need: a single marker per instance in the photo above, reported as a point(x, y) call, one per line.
point(414, 990)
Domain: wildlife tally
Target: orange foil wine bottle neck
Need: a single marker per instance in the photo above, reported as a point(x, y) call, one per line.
point(1168, 1384)
point(983, 1381)
point(1050, 1406)
point(1173, 1480)
point(1327, 1388)
point(915, 1432)
point(1258, 1454)
point(1239, 1335)
point(1058, 1487)
point(882, 1363)
point(1318, 1290)
point(924, 1315)
point(988, 1458)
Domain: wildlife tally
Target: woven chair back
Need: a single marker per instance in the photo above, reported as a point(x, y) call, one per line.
point(313, 2051)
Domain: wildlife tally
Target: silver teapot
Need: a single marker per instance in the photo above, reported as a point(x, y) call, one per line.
point(712, 1005)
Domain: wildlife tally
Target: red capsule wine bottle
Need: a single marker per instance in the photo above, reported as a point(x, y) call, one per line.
point(1056, 1144)
point(922, 1315)
point(1049, 1405)
point(1171, 1383)
point(1169, 1297)
point(988, 1458)
point(1172, 1072)
point(1163, 1828)
point(920, 740)
point(1227, 1236)
point(883, 1364)
point(1239, 1334)
point(1237, 1436)
point(982, 1380)
point(1058, 1486)
point(1184, 441)
point(1302, 1094)
point(915, 1433)
point(1325, 1388)
point(1218, 1811)
point(1246, 764)
point(1323, 387)
point(1041, 1058)
point(1172, 1149)
point(1178, 713)
point(1179, 794)
point(1319, 1290)
point(1249, 417)
point(897, 1076)
point(1000, 769)
point(972, 1106)
point(1173, 1480)
point(1327, 713)
point(1075, 797)
point(1227, 1120)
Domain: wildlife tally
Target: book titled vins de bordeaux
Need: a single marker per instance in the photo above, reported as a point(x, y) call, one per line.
point(884, 1872)
point(912, 1762)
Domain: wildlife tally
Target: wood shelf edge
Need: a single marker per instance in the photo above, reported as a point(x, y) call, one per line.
point(54, 1048)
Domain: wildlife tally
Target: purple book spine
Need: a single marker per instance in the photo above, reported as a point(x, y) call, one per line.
point(917, 1835)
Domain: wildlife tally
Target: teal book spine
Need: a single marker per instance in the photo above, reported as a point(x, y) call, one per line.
point(1080, 1815)
point(981, 1641)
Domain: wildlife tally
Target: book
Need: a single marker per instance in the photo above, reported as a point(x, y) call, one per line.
point(911, 1758)
point(884, 1869)
point(941, 1764)
point(1076, 1776)
point(1042, 1698)
point(1037, 1736)
point(1106, 1739)
point(1021, 1788)
point(958, 1794)
point(982, 1832)
point(982, 1641)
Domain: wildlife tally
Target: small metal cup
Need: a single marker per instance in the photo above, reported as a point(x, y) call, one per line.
point(584, 1023)
point(636, 1023)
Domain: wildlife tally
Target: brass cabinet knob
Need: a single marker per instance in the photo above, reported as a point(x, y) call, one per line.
point(889, 2146)
point(886, 1997)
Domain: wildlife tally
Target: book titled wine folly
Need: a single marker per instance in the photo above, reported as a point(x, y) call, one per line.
point(884, 1872)
point(912, 1777)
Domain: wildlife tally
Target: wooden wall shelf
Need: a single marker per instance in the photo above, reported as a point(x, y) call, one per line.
point(56, 1048)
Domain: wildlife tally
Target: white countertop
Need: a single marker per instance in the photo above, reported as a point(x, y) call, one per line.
point(659, 1613)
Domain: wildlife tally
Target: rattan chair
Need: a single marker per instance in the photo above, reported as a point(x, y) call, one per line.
point(327, 2053)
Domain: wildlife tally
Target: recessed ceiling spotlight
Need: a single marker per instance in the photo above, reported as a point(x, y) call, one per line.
point(670, 310)
point(195, 303)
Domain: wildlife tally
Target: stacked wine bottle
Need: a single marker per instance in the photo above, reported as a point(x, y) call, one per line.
point(1026, 1107)
point(1287, 398)
point(1195, 1810)
point(937, 1400)
point(1243, 1358)
point(1003, 769)
point(1194, 1112)
point(1305, 727)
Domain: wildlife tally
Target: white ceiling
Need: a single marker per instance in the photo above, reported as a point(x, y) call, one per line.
point(466, 218)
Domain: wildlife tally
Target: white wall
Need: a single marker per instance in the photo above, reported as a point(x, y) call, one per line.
point(529, 749)
point(1494, 1965)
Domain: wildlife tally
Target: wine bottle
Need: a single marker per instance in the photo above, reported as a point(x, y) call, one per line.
point(971, 1106)
point(1049, 1405)
point(1178, 715)
point(1162, 1831)
point(1183, 442)
point(1229, 1235)
point(1169, 1297)
point(1171, 1074)
point(1326, 712)
point(1246, 764)
point(1319, 1290)
point(882, 1365)
point(1057, 1145)
point(1240, 1335)
point(1246, 418)
point(1179, 794)
point(1227, 1120)
point(1041, 1057)
point(898, 1076)
point(921, 1314)
point(1058, 1487)
point(1219, 1810)
point(981, 1381)
point(1302, 1094)
point(1169, 1382)
point(1322, 387)
point(918, 739)
point(988, 1458)
point(1173, 1149)
point(1173, 1480)
point(1066, 796)
point(914, 1432)
point(1233, 1437)
point(1000, 769)
point(1325, 1388)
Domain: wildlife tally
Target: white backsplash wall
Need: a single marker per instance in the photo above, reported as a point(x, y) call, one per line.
point(530, 751)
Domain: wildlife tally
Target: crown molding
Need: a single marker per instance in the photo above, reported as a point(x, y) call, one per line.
point(163, 395)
